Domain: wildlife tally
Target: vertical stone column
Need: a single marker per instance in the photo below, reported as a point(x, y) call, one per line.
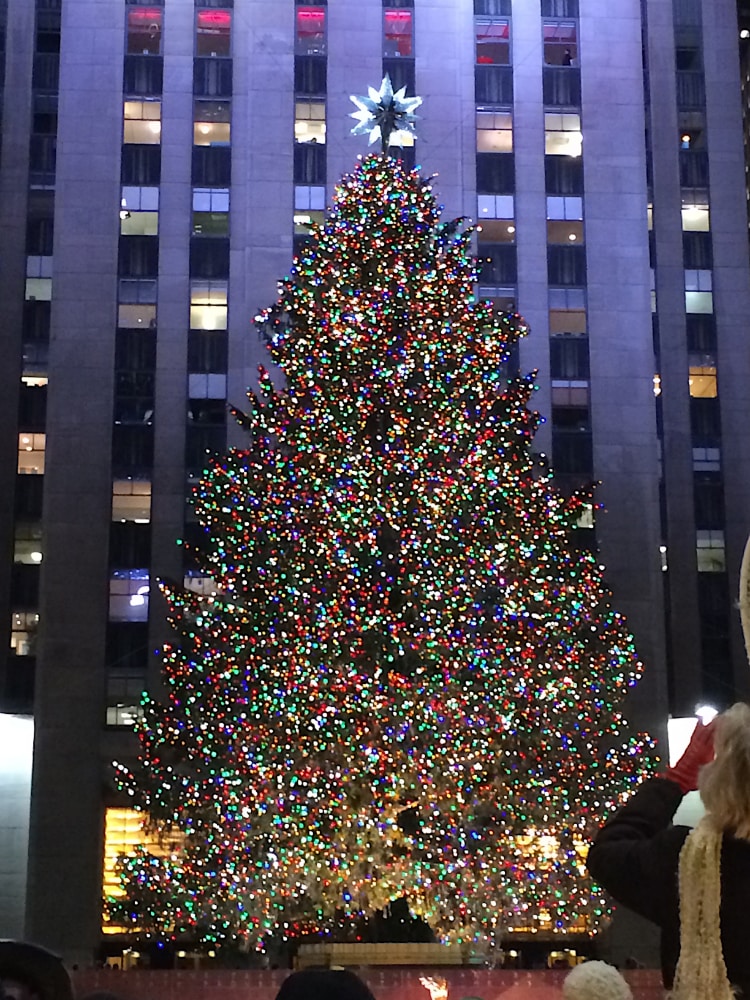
point(64, 901)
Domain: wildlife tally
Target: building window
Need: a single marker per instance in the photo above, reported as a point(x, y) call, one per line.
point(208, 305)
point(38, 290)
point(565, 233)
point(566, 265)
point(142, 122)
point(494, 132)
point(210, 223)
point(310, 121)
point(397, 33)
point(495, 206)
point(561, 86)
point(207, 386)
point(492, 41)
point(497, 231)
point(702, 381)
point(207, 351)
point(131, 500)
point(565, 208)
point(211, 200)
point(565, 321)
point(213, 33)
point(24, 627)
point(27, 547)
point(710, 552)
point(699, 302)
point(695, 218)
point(569, 363)
point(496, 173)
point(144, 31)
point(211, 123)
point(128, 595)
point(209, 258)
point(308, 198)
point(560, 43)
point(124, 698)
point(562, 135)
point(311, 31)
point(31, 451)
point(138, 223)
point(212, 166)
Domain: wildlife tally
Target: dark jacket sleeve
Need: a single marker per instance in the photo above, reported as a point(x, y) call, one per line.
point(635, 854)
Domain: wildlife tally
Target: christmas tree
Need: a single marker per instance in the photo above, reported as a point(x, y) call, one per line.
point(406, 680)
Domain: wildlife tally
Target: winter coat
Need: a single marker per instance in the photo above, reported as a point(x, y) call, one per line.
point(635, 857)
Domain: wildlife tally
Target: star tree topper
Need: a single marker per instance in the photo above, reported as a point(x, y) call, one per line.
point(384, 113)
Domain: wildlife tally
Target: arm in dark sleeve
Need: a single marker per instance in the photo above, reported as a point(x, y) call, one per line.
point(634, 856)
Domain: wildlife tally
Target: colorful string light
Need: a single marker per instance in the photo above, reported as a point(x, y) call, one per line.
point(407, 680)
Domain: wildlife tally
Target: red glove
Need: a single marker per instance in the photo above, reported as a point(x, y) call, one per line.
point(699, 751)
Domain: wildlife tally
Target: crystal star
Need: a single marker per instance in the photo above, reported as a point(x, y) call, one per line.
point(384, 113)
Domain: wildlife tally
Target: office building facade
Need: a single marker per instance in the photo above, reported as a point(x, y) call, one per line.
point(159, 163)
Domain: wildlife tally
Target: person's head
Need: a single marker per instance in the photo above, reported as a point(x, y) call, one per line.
point(595, 981)
point(323, 984)
point(724, 784)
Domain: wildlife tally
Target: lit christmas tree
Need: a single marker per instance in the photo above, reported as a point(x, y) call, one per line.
point(406, 681)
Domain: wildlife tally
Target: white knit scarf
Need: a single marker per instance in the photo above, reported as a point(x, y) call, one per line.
point(701, 972)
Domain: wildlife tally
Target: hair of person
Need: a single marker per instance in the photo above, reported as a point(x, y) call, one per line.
point(724, 784)
point(323, 984)
point(595, 981)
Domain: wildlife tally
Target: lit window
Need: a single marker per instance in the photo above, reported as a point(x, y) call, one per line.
point(492, 42)
point(710, 551)
point(698, 280)
point(135, 316)
point(303, 221)
point(568, 207)
point(565, 233)
point(38, 289)
point(495, 206)
point(562, 135)
point(31, 448)
point(566, 392)
point(138, 223)
point(702, 381)
point(24, 626)
point(213, 35)
point(198, 584)
point(211, 123)
point(311, 31)
point(128, 595)
point(208, 305)
point(210, 199)
point(497, 231)
point(124, 831)
point(397, 33)
point(586, 520)
point(140, 199)
point(131, 500)
point(699, 302)
point(650, 216)
point(28, 543)
point(124, 690)
point(560, 43)
point(564, 299)
point(142, 122)
point(144, 31)
point(310, 121)
point(308, 197)
point(494, 132)
point(706, 459)
point(210, 223)
point(695, 218)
